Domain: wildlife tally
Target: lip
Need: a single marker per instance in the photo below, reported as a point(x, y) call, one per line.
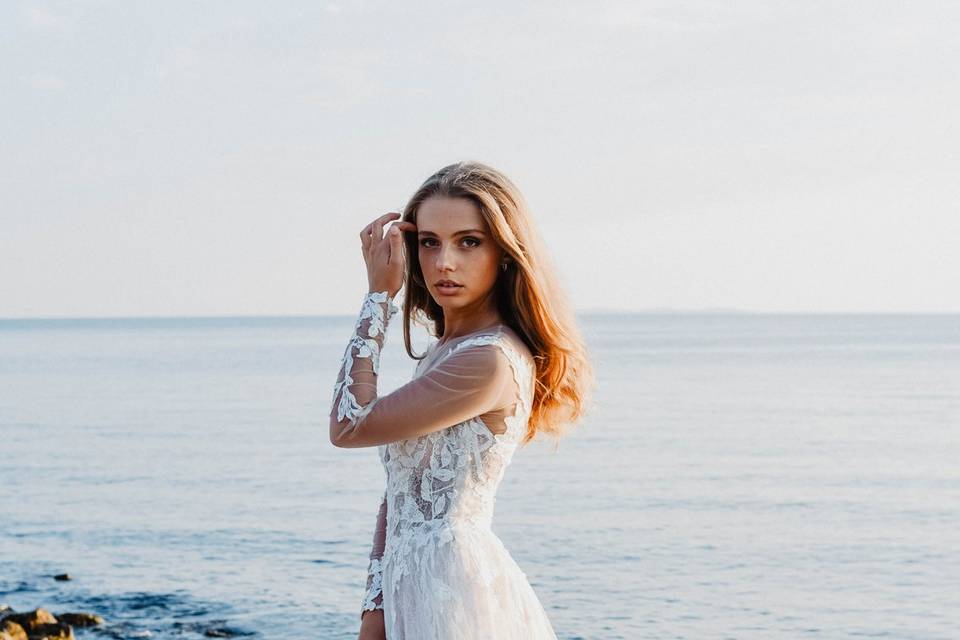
point(441, 282)
point(448, 290)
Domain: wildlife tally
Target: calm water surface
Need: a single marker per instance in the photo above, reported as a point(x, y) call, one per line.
point(741, 476)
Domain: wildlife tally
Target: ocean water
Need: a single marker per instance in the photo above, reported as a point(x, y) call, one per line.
point(740, 476)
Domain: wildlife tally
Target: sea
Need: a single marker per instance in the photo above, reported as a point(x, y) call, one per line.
point(737, 475)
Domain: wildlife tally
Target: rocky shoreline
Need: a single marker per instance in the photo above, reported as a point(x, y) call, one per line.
point(42, 624)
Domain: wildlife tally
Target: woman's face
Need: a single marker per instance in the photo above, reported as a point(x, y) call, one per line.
point(454, 243)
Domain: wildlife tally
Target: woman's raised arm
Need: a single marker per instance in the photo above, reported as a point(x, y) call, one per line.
point(356, 386)
point(473, 378)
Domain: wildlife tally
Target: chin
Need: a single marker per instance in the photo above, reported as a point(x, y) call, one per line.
point(445, 301)
point(450, 301)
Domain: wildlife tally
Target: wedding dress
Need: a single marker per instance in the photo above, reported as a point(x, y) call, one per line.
point(436, 568)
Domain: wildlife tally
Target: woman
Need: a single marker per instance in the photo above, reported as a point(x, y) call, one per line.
point(509, 363)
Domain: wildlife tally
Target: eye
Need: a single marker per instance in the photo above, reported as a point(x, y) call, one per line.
point(424, 241)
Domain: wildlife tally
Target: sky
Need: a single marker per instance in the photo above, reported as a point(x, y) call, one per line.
point(220, 158)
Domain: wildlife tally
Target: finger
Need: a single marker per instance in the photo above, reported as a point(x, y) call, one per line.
point(368, 230)
point(377, 231)
point(396, 246)
point(366, 236)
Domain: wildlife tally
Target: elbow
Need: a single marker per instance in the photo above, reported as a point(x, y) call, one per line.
point(353, 431)
point(344, 442)
point(340, 435)
point(335, 435)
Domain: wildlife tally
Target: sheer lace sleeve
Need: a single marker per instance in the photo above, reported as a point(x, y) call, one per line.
point(374, 595)
point(356, 386)
point(467, 381)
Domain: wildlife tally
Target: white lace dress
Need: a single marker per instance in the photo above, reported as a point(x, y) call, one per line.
point(437, 569)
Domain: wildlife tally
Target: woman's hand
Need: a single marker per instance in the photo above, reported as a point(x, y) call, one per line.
point(384, 254)
point(372, 626)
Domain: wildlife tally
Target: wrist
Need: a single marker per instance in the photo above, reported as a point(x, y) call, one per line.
point(382, 296)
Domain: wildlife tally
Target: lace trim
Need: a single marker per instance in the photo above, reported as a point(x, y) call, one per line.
point(374, 597)
point(378, 307)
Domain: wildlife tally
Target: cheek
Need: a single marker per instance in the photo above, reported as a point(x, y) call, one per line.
point(490, 264)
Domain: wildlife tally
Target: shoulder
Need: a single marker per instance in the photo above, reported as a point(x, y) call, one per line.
point(515, 347)
point(514, 339)
point(486, 348)
point(499, 346)
point(502, 348)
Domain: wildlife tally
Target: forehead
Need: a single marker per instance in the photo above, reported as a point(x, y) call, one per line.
point(444, 216)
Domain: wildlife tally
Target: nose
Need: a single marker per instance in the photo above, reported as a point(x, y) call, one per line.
point(444, 259)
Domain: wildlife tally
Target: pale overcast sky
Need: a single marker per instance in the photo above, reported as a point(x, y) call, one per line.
point(216, 158)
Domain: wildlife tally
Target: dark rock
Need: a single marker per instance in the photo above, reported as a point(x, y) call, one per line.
point(51, 631)
point(62, 576)
point(30, 619)
point(10, 630)
point(226, 632)
point(80, 619)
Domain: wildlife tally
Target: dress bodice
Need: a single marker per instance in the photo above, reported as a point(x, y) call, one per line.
point(450, 477)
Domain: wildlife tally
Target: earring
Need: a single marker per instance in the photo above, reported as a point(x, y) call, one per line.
point(503, 266)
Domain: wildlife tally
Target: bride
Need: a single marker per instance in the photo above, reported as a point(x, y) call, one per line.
point(508, 363)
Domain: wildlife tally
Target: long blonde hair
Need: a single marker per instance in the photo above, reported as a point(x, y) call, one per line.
point(528, 295)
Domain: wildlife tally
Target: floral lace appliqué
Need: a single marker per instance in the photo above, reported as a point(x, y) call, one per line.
point(448, 478)
point(366, 342)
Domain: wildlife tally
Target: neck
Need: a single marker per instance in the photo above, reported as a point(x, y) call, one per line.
point(459, 322)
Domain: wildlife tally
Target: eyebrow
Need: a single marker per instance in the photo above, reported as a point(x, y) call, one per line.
point(431, 233)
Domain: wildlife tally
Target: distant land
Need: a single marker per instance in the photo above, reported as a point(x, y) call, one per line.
point(589, 312)
point(735, 311)
point(667, 310)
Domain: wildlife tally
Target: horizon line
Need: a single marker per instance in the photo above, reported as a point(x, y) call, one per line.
point(591, 311)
